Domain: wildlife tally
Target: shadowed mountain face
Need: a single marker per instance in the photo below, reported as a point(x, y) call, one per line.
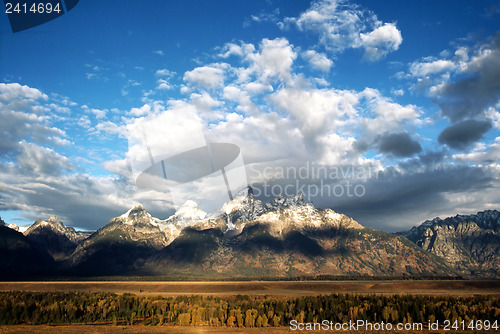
point(52, 236)
point(468, 243)
point(286, 237)
point(257, 252)
point(19, 258)
point(119, 247)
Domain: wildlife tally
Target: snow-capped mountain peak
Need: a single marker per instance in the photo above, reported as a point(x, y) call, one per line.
point(281, 202)
point(138, 215)
point(190, 211)
point(282, 214)
point(52, 222)
point(240, 200)
point(297, 214)
point(188, 214)
point(242, 208)
point(54, 225)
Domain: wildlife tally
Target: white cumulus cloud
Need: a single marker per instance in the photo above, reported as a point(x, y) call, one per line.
point(381, 41)
point(341, 25)
point(318, 60)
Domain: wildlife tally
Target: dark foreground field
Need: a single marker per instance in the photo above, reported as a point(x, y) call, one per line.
point(266, 288)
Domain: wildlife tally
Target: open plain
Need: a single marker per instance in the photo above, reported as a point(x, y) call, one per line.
point(265, 288)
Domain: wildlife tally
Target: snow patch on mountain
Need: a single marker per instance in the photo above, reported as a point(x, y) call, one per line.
point(55, 225)
point(188, 212)
point(283, 214)
point(17, 228)
point(239, 202)
point(138, 215)
point(295, 214)
point(243, 208)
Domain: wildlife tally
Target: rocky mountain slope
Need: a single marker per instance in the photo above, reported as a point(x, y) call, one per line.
point(469, 243)
point(286, 237)
point(119, 245)
point(54, 237)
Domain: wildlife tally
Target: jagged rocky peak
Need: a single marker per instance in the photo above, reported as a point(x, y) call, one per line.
point(136, 215)
point(470, 243)
point(54, 237)
point(241, 200)
point(134, 225)
point(51, 221)
point(15, 227)
point(488, 219)
point(281, 202)
point(243, 207)
point(339, 220)
point(294, 213)
point(53, 224)
point(136, 210)
point(55, 221)
point(188, 214)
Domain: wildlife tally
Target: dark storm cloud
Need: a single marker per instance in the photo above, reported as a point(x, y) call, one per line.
point(469, 96)
point(360, 146)
point(395, 199)
point(395, 196)
point(430, 157)
point(398, 144)
point(463, 134)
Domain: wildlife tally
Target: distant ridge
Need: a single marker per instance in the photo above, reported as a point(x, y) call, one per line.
point(469, 243)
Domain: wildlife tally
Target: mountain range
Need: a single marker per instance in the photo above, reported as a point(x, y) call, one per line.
point(469, 243)
point(284, 238)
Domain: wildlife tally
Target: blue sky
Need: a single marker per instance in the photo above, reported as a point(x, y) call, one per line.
point(408, 91)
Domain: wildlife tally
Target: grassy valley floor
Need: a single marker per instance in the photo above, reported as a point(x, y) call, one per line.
point(265, 288)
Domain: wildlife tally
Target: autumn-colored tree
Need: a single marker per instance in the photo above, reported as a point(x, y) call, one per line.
point(230, 321)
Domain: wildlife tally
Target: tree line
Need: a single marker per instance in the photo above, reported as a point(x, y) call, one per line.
point(242, 311)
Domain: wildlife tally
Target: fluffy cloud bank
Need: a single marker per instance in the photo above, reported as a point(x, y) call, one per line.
point(387, 163)
point(39, 180)
point(341, 25)
point(282, 118)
